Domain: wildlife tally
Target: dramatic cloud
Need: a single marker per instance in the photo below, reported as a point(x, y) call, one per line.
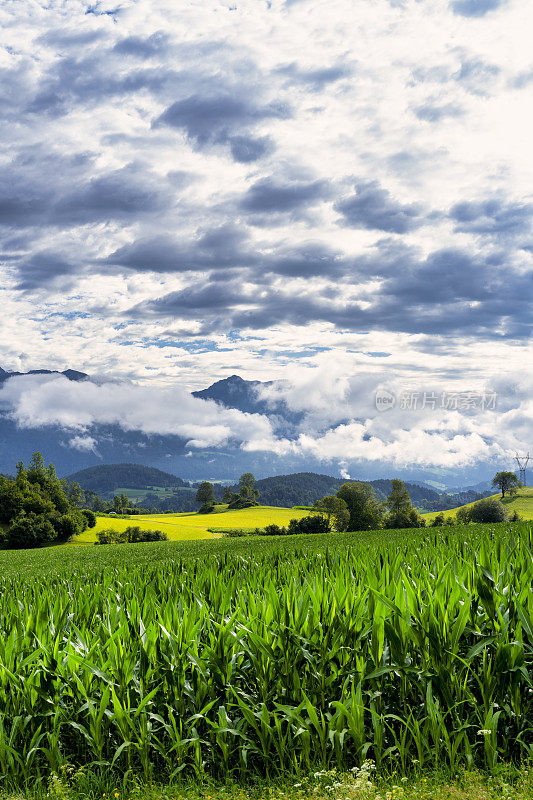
point(192, 190)
point(373, 208)
point(224, 119)
point(493, 217)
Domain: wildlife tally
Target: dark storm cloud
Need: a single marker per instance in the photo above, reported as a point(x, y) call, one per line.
point(116, 195)
point(37, 191)
point(373, 208)
point(91, 77)
point(435, 112)
point(214, 249)
point(43, 268)
point(246, 149)
point(316, 78)
point(226, 248)
point(493, 217)
point(222, 119)
point(193, 302)
point(268, 196)
point(143, 46)
point(447, 293)
point(475, 8)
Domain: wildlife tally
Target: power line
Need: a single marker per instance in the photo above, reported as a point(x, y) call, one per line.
point(522, 462)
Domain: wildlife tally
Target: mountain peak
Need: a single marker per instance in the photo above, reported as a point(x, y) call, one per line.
point(70, 374)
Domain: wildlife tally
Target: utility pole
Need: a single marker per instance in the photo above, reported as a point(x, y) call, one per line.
point(522, 462)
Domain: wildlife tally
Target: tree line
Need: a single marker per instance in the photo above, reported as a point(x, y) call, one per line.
point(37, 508)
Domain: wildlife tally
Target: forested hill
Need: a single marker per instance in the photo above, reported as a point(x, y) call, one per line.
point(108, 477)
point(303, 488)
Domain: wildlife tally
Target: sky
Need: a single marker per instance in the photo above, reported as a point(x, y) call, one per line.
point(334, 195)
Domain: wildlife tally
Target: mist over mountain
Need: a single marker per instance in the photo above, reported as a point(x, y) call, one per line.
point(83, 441)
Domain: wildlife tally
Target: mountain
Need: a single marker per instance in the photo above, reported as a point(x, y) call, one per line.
point(105, 444)
point(235, 392)
point(304, 488)
point(108, 477)
point(71, 374)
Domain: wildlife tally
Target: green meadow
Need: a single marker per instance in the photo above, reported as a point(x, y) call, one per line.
point(194, 525)
point(522, 503)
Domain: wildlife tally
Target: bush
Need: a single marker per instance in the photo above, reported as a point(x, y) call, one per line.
point(273, 530)
point(515, 517)
point(90, 516)
point(242, 502)
point(311, 524)
point(30, 530)
point(66, 526)
point(438, 520)
point(487, 510)
point(207, 508)
point(131, 535)
point(409, 519)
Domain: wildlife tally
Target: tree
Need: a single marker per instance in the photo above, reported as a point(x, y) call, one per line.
point(506, 482)
point(336, 508)
point(247, 488)
point(229, 496)
point(487, 510)
point(75, 493)
point(366, 513)
point(402, 513)
point(205, 493)
point(90, 516)
point(120, 502)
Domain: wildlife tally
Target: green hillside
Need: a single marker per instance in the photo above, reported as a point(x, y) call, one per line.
point(107, 478)
point(522, 503)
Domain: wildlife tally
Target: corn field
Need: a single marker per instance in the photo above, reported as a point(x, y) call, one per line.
point(268, 658)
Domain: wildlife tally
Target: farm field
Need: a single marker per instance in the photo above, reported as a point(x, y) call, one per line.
point(196, 526)
point(251, 659)
point(522, 503)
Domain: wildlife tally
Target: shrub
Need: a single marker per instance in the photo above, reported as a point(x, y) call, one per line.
point(66, 526)
point(30, 530)
point(311, 524)
point(90, 516)
point(487, 510)
point(207, 508)
point(242, 502)
point(273, 530)
point(131, 535)
point(438, 520)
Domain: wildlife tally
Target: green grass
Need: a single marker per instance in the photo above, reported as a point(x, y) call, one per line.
point(267, 660)
point(522, 503)
point(196, 526)
point(363, 784)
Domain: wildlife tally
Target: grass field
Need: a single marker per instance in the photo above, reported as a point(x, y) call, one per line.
point(237, 660)
point(196, 526)
point(522, 503)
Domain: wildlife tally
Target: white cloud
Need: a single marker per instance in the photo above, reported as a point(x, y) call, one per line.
point(428, 107)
